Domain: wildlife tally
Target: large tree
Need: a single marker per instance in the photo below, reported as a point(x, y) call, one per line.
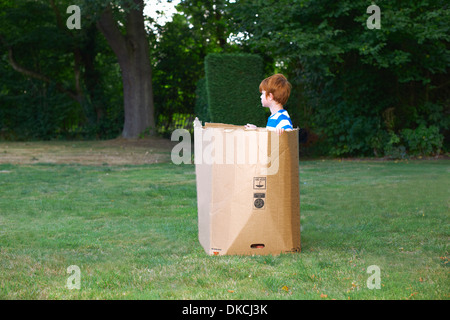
point(130, 44)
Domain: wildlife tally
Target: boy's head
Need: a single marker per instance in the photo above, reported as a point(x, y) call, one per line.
point(278, 86)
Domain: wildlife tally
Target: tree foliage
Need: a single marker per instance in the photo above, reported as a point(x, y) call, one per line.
point(55, 82)
point(348, 76)
point(179, 48)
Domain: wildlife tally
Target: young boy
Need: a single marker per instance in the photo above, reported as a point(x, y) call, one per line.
point(275, 91)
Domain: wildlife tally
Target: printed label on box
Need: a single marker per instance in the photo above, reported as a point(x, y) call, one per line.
point(259, 183)
point(259, 200)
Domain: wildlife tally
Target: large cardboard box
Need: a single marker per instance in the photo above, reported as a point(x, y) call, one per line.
point(247, 190)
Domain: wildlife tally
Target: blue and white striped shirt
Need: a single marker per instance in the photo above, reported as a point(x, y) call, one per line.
point(280, 119)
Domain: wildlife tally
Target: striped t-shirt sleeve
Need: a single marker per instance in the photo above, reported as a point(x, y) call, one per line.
point(279, 120)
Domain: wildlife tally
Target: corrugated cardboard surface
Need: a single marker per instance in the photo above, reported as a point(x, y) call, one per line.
point(244, 208)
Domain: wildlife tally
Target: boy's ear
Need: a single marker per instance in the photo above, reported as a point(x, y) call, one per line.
point(269, 96)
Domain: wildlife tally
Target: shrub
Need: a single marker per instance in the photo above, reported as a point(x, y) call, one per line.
point(232, 86)
point(394, 148)
point(422, 140)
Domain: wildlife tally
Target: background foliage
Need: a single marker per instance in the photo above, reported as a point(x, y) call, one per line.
point(356, 87)
point(358, 91)
point(73, 61)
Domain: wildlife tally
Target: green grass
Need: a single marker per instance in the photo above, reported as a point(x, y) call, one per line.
point(132, 230)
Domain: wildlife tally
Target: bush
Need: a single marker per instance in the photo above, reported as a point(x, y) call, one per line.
point(395, 148)
point(167, 125)
point(232, 86)
point(422, 140)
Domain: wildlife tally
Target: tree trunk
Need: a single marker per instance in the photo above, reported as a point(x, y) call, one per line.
point(133, 53)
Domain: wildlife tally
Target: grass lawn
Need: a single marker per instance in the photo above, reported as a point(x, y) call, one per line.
point(132, 231)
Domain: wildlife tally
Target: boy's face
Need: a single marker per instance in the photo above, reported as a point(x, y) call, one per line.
point(264, 101)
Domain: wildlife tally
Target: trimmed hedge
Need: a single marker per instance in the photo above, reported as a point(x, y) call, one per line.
point(201, 102)
point(232, 88)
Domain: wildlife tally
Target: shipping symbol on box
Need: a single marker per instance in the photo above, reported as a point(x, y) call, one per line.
point(259, 183)
point(258, 200)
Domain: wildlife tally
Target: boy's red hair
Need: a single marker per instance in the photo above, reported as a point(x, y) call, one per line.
point(277, 85)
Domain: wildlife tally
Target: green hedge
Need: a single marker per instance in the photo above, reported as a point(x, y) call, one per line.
point(201, 102)
point(232, 88)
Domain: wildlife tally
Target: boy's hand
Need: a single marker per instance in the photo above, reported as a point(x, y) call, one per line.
point(279, 131)
point(250, 126)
